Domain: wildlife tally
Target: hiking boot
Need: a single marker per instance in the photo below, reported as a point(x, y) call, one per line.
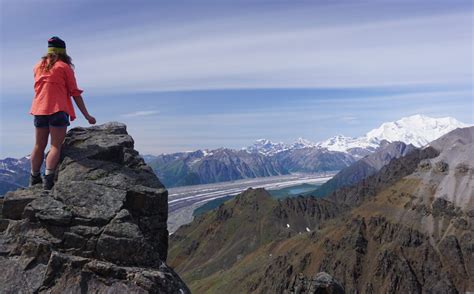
point(35, 180)
point(48, 182)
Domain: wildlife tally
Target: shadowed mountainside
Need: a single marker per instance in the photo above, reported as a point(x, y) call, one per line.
point(204, 167)
point(365, 167)
point(192, 168)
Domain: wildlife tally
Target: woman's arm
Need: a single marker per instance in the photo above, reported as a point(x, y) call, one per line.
point(82, 106)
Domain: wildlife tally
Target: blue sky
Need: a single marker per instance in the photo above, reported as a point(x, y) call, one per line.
point(203, 74)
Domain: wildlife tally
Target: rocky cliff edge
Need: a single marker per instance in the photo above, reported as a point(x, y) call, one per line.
point(101, 229)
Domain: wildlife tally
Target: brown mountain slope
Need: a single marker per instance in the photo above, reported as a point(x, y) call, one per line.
point(392, 233)
point(379, 247)
point(219, 239)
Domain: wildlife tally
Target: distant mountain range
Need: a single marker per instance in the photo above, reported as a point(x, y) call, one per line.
point(417, 130)
point(14, 173)
point(407, 228)
point(266, 158)
point(212, 166)
point(203, 166)
point(267, 147)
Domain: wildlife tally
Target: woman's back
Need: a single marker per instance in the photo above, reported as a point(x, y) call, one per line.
point(54, 88)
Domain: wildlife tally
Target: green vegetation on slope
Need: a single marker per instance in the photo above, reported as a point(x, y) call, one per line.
point(292, 191)
point(211, 205)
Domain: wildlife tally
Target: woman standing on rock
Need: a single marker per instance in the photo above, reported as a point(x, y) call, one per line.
point(52, 106)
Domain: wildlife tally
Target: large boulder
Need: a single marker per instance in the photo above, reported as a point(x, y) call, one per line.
point(102, 228)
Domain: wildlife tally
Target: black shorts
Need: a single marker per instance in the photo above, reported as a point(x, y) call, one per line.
point(57, 119)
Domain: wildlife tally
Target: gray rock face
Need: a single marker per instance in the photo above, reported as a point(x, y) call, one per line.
point(452, 170)
point(101, 229)
point(322, 283)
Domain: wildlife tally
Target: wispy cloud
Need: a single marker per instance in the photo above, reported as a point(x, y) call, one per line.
point(350, 119)
point(140, 113)
point(302, 47)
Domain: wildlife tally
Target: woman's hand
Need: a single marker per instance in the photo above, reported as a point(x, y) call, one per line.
point(91, 119)
point(80, 103)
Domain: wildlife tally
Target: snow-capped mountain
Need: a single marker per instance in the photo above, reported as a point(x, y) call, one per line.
point(301, 143)
point(266, 147)
point(417, 130)
point(13, 165)
point(345, 144)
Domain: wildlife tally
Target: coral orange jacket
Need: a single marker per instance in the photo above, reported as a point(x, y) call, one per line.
point(53, 90)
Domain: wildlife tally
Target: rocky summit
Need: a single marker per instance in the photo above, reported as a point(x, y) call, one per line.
point(102, 228)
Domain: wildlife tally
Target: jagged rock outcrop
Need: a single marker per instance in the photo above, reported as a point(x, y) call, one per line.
point(322, 283)
point(101, 229)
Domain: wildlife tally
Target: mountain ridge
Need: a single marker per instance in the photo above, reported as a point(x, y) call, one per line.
point(271, 159)
point(388, 234)
point(365, 167)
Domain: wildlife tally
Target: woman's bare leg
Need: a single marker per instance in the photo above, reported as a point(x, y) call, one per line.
point(57, 138)
point(37, 155)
